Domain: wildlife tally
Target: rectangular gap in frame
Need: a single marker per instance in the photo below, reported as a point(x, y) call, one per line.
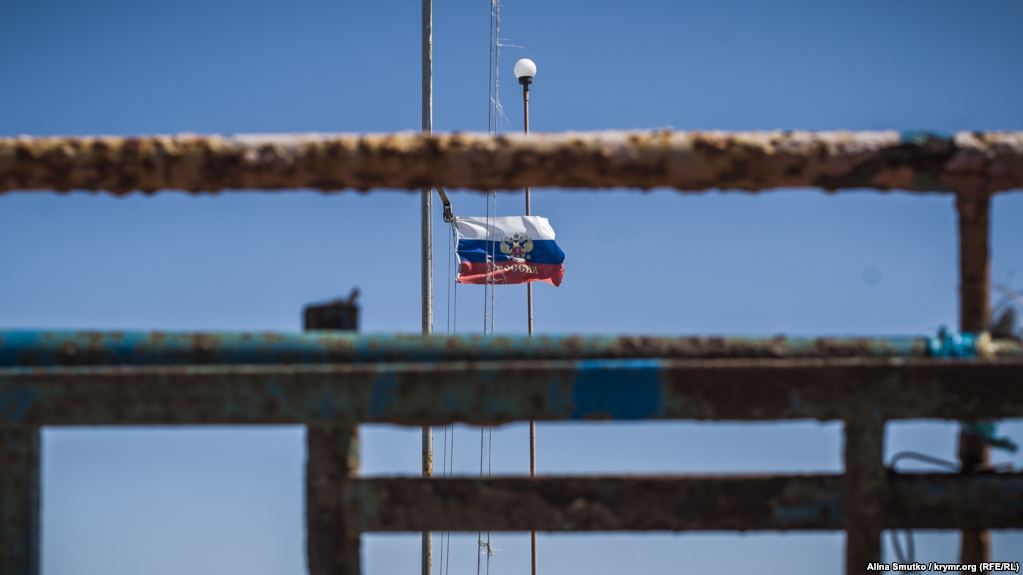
point(165, 501)
point(614, 553)
point(610, 448)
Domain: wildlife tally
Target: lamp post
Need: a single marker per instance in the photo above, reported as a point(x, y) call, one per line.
point(525, 71)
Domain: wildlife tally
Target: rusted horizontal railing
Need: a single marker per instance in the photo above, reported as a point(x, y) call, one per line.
point(504, 391)
point(676, 503)
point(966, 161)
point(95, 348)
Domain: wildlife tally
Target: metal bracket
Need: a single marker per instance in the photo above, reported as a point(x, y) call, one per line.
point(449, 216)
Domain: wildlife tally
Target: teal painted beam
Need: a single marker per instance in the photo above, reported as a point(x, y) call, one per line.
point(88, 348)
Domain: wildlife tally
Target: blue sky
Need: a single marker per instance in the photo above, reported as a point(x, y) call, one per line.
point(798, 262)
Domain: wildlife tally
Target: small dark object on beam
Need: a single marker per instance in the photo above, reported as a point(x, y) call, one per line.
point(337, 315)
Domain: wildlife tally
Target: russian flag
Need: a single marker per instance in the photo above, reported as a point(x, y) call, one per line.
point(508, 250)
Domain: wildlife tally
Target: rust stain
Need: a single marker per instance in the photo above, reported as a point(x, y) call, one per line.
point(973, 161)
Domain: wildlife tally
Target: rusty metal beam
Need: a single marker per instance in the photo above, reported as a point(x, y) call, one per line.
point(332, 461)
point(864, 487)
point(974, 225)
point(500, 392)
point(678, 503)
point(685, 161)
point(19, 500)
point(89, 348)
point(974, 221)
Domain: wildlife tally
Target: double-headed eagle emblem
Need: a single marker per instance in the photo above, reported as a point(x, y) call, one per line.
point(517, 247)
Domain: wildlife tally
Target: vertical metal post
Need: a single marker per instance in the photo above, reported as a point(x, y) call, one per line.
point(19, 501)
point(332, 542)
point(426, 195)
point(427, 536)
point(529, 210)
point(332, 457)
point(974, 213)
point(864, 485)
point(427, 250)
point(529, 330)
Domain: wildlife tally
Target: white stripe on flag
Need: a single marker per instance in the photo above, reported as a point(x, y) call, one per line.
point(475, 228)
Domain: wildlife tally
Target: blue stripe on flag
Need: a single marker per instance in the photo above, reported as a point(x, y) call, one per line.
point(543, 252)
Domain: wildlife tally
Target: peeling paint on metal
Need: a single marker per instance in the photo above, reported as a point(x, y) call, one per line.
point(920, 137)
point(485, 392)
point(15, 402)
point(809, 513)
point(675, 503)
point(598, 393)
point(384, 395)
point(946, 344)
point(697, 161)
point(19, 500)
point(57, 348)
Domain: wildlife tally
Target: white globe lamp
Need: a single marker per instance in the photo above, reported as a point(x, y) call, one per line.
point(525, 71)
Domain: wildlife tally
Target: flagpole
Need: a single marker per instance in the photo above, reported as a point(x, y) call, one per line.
point(525, 71)
point(426, 225)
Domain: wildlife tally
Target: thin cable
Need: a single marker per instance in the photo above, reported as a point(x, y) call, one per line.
point(479, 534)
point(950, 465)
point(490, 71)
point(489, 289)
point(497, 62)
point(448, 454)
point(443, 471)
point(444, 448)
point(489, 263)
point(447, 327)
point(490, 473)
point(492, 244)
point(909, 556)
point(454, 311)
point(450, 472)
point(488, 283)
point(897, 546)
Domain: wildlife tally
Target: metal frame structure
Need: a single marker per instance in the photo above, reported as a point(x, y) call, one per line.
point(333, 382)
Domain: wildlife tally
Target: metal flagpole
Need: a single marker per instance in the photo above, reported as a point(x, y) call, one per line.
point(427, 250)
point(525, 71)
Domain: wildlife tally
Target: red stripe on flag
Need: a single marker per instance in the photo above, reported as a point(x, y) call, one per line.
point(508, 273)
